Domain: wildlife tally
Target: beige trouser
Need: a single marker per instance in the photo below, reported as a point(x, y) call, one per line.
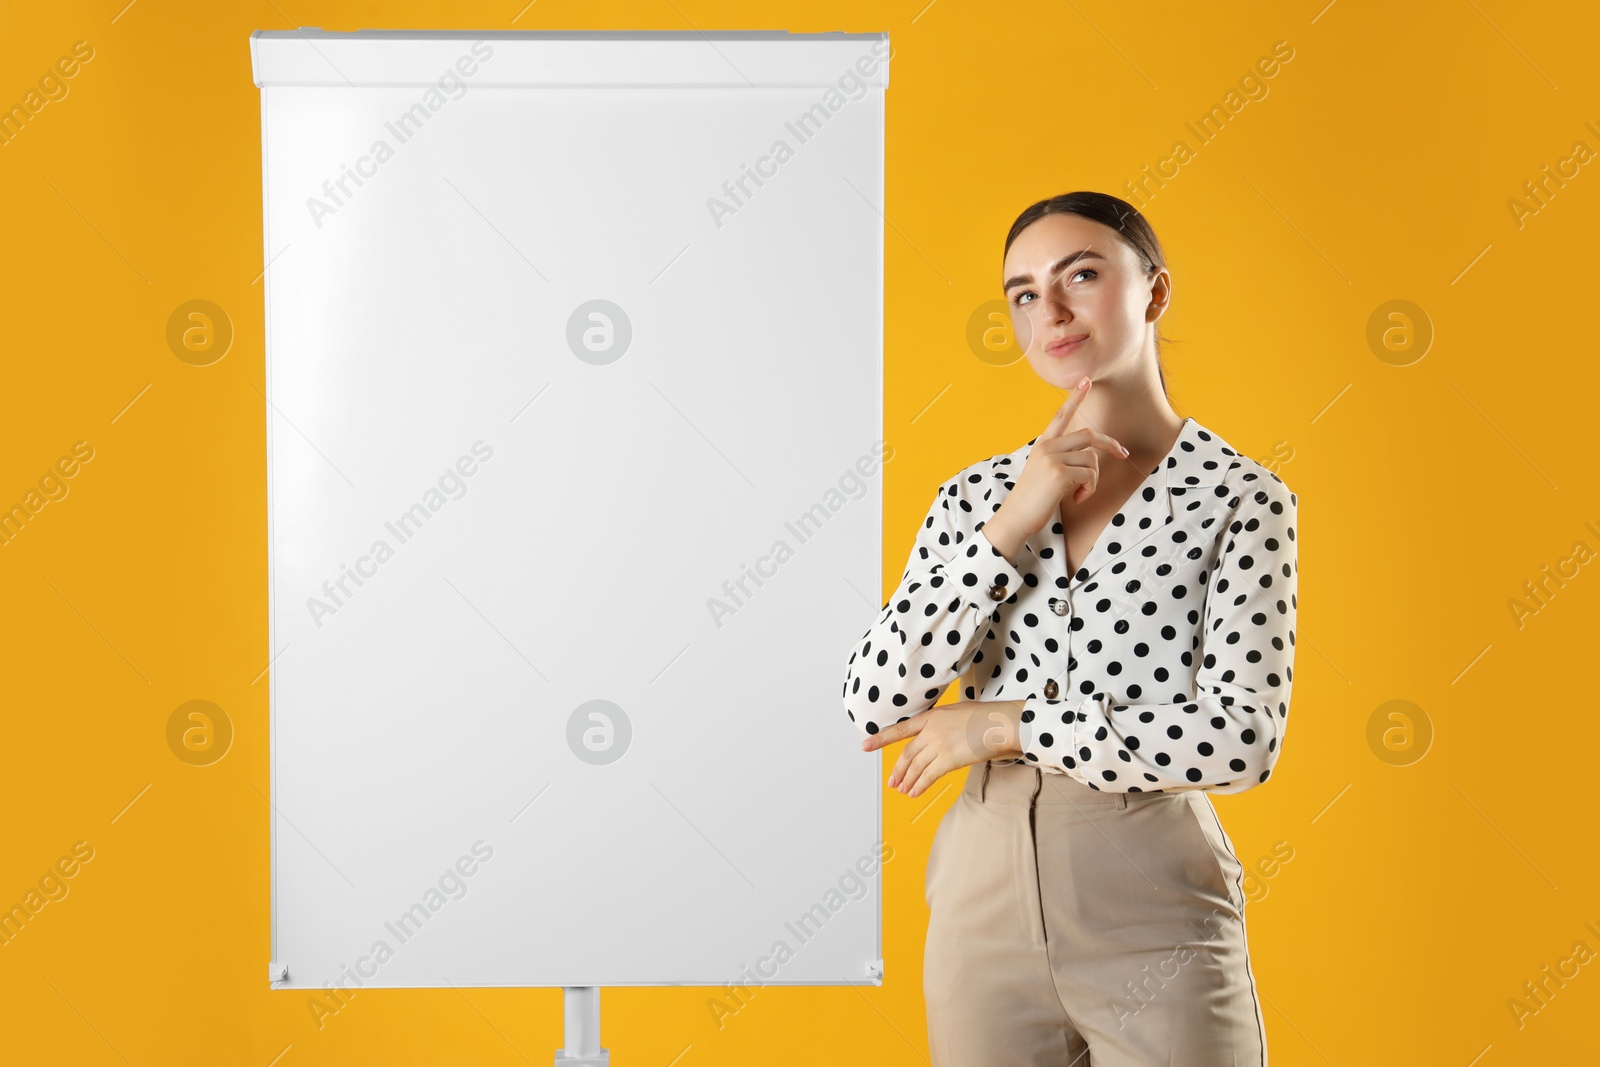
point(1071, 926)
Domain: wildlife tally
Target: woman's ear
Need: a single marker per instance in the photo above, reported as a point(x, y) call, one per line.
point(1160, 295)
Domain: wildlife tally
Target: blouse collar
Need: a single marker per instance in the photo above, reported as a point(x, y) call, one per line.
point(1198, 460)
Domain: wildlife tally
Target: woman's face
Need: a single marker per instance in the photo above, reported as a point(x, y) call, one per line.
point(1080, 300)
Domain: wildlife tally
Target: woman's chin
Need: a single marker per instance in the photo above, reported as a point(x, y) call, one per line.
point(1063, 373)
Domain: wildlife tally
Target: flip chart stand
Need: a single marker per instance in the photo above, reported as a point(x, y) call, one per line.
point(582, 1029)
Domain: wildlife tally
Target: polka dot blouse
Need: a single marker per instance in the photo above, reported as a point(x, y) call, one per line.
point(1163, 663)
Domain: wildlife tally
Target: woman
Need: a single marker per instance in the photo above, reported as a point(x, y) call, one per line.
point(1118, 598)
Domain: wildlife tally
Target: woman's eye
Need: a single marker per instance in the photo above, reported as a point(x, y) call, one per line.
point(1090, 271)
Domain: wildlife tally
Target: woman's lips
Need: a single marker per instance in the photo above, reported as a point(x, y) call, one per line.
point(1065, 345)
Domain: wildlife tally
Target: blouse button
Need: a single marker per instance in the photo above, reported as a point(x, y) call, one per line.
point(1051, 689)
point(1058, 605)
point(997, 592)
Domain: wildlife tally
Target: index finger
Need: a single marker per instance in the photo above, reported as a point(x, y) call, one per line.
point(1058, 423)
point(892, 733)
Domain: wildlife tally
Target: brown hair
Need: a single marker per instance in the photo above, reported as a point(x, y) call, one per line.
point(1110, 211)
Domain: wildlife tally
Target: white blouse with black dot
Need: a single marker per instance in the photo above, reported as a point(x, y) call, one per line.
point(1164, 663)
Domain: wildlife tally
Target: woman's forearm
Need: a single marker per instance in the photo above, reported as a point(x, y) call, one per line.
point(1004, 537)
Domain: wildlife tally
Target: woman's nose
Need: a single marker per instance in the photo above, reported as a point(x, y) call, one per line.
point(1056, 307)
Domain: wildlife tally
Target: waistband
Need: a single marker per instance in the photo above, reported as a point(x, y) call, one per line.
point(1019, 783)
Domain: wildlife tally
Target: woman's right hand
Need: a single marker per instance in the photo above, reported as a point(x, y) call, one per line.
point(1059, 463)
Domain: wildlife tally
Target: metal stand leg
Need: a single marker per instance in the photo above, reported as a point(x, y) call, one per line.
point(582, 1023)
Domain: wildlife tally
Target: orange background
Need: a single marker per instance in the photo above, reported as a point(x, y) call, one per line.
point(1441, 848)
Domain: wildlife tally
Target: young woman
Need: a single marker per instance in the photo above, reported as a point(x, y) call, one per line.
point(1117, 597)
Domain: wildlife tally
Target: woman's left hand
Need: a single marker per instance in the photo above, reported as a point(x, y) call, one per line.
point(949, 737)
